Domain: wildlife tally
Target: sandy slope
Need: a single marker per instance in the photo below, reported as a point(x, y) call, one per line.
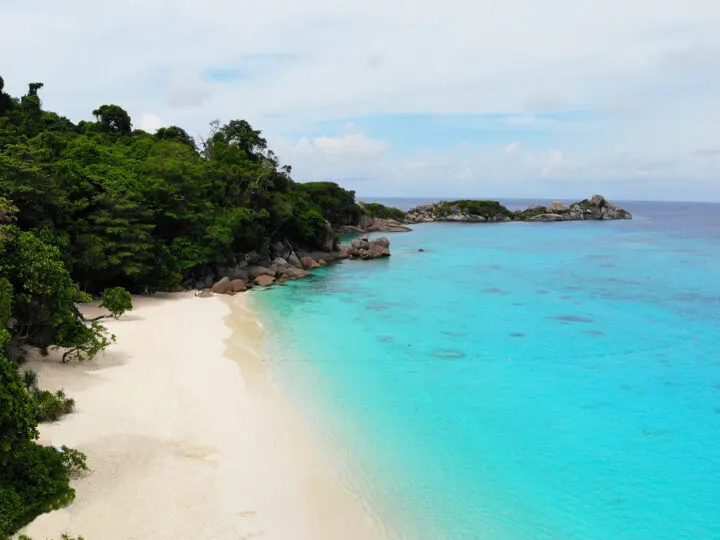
point(186, 438)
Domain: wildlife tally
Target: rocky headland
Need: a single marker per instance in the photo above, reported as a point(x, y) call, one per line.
point(283, 262)
point(377, 218)
point(470, 211)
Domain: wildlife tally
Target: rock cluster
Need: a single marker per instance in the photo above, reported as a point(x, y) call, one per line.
point(263, 276)
point(595, 208)
point(276, 264)
point(438, 211)
point(370, 224)
point(364, 249)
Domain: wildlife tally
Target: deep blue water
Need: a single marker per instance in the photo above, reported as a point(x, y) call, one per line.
point(516, 380)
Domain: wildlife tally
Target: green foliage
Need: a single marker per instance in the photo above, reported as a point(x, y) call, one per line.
point(50, 407)
point(530, 212)
point(178, 134)
point(29, 379)
point(487, 209)
point(146, 211)
point(75, 462)
point(33, 479)
point(377, 210)
point(116, 300)
point(44, 297)
point(113, 119)
point(17, 414)
point(336, 204)
point(35, 482)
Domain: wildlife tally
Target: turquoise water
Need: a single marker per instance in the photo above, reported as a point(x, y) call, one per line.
point(519, 381)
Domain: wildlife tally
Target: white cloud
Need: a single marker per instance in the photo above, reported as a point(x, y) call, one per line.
point(352, 143)
point(510, 148)
point(649, 66)
point(150, 123)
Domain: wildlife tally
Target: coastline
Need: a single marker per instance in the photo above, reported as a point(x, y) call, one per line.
point(187, 438)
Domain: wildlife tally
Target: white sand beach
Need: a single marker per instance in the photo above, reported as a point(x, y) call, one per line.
point(187, 439)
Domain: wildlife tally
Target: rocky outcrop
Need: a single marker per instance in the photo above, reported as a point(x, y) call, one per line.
point(290, 272)
point(261, 276)
point(546, 217)
point(364, 249)
point(370, 224)
point(264, 281)
point(376, 218)
point(329, 240)
point(309, 262)
point(239, 285)
point(294, 260)
point(257, 271)
point(595, 208)
point(466, 211)
point(224, 286)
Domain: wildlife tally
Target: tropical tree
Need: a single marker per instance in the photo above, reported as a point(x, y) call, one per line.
point(113, 119)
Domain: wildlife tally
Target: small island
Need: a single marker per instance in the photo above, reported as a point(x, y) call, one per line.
point(481, 211)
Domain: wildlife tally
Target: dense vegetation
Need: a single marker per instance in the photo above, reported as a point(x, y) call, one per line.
point(98, 206)
point(377, 210)
point(33, 478)
point(487, 209)
point(127, 208)
point(335, 203)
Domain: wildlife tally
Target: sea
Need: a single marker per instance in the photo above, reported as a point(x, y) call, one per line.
point(517, 380)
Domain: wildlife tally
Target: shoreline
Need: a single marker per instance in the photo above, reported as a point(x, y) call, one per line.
point(186, 437)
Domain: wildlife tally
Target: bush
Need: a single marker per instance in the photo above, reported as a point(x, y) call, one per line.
point(488, 209)
point(51, 407)
point(117, 301)
point(377, 210)
point(74, 461)
point(334, 203)
point(35, 482)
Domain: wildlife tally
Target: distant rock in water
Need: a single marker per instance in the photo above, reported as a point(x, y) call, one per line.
point(481, 211)
point(377, 218)
point(364, 249)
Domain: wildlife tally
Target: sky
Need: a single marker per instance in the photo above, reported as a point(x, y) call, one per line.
point(477, 98)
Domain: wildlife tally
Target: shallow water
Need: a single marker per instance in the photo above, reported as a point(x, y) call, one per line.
point(517, 380)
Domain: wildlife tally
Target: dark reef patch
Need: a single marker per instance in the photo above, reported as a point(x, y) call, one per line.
point(657, 432)
point(448, 354)
point(381, 306)
point(542, 291)
point(572, 318)
point(493, 290)
point(454, 334)
point(621, 281)
point(385, 339)
point(594, 332)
